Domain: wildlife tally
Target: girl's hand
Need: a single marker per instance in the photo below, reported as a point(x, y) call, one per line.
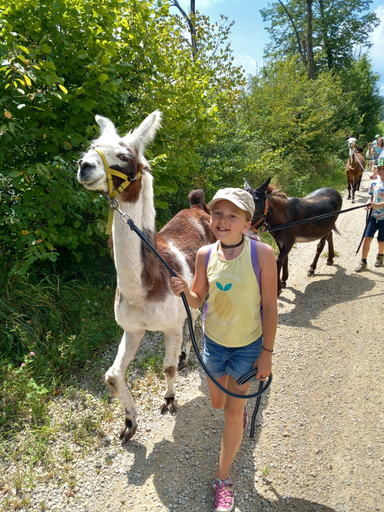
point(264, 365)
point(179, 285)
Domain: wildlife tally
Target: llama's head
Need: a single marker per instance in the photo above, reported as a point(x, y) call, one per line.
point(352, 142)
point(122, 154)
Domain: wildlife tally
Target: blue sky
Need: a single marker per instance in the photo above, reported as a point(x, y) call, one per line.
point(248, 35)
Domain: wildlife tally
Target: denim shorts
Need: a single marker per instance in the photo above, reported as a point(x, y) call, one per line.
point(235, 362)
point(373, 226)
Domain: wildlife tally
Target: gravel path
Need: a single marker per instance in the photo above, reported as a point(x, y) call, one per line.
point(318, 444)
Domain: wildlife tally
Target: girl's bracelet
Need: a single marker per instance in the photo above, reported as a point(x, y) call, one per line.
point(271, 351)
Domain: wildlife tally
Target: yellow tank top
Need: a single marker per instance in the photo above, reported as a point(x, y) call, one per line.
point(232, 316)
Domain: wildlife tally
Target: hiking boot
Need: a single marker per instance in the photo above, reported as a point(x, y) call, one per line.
point(361, 266)
point(222, 495)
point(379, 260)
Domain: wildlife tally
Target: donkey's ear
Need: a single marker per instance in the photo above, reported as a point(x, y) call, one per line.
point(247, 186)
point(145, 132)
point(264, 186)
point(106, 125)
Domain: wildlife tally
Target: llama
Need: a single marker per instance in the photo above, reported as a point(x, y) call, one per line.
point(369, 157)
point(144, 300)
point(354, 167)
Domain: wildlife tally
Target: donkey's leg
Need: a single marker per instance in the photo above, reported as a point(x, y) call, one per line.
point(280, 261)
point(319, 250)
point(331, 250)
point(284, 277)
point(184, 356)
point(173, 341)
point(115, 379)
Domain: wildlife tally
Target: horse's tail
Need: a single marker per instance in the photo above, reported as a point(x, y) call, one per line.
point(336, 230)
point(196, 199)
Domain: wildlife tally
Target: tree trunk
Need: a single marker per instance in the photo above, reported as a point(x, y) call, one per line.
point(310, 59)
point(302, 52)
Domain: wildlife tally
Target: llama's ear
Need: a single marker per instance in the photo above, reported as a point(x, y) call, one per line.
point(247, 186)
point(106, 125)
point(145, 132)
point(261, 190)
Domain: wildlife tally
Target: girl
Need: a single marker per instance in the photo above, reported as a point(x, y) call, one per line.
point(236, 338)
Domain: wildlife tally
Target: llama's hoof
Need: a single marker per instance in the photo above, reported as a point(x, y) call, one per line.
point(182, 361)
point(128, 430)
point(168, 405)
point(311, 272)
point(353, 201)
point(283, 284)
point(329, 263)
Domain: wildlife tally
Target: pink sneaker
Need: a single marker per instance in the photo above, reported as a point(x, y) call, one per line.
point(245, 418)
point(222, 497)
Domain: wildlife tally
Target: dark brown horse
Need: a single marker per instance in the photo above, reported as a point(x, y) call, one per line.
point(273, 208)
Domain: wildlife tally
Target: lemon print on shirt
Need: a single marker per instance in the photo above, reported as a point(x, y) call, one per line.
point(223, 303)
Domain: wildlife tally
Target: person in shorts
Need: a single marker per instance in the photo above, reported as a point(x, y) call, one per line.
point(376, 221)
point(237, 338)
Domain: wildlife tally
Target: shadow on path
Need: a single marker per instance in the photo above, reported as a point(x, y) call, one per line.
point(182, 468)
point(320, 295)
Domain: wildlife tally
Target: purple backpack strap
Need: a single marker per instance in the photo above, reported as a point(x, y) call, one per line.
point(206, 302)
point(256, 269)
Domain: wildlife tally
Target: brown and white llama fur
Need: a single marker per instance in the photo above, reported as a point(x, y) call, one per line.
point(354, 167)
point(144, 300)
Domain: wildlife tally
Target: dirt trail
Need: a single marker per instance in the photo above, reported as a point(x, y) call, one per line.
point(319, 439)
point(319, 445)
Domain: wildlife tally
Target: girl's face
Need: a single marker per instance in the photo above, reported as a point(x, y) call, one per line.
point(228, 222)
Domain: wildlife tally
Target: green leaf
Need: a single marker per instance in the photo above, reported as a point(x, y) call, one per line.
point(102, 78)
point(87, 105)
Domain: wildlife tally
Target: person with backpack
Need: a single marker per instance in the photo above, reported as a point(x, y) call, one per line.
point(237, 336)
point(376, 220)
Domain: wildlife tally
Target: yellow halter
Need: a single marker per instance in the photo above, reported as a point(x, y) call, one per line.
point(111, 191)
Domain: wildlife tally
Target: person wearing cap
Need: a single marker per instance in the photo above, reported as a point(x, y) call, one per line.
point(376, 221)
point(237, 338)
point(378, 147)
point(377, 150)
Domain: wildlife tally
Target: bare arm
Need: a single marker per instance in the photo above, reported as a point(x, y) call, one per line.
point(268, 269)
point(195, 297)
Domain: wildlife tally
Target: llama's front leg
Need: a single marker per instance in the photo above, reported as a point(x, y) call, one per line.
point(184, 356)
point(173, 340)
point(115, 379)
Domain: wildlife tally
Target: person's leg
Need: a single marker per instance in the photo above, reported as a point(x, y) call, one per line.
point(366, 246)
point(233, 429)
point(380, 245)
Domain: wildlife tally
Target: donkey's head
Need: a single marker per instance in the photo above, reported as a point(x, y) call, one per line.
point(110, 153)
point(259, 197)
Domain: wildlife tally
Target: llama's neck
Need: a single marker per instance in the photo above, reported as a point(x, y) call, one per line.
point(127, 244)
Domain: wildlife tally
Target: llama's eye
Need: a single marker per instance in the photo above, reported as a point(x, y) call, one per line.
point(123, 157)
